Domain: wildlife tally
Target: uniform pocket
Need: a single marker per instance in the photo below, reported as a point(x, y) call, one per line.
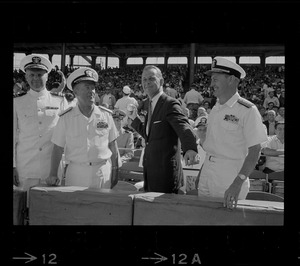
point(51, 112)
point(229, 125)
point(102, 131)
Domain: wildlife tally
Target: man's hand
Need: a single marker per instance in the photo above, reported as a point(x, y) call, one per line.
point(16, 177)
point(52, 180)
point(191, 157)
point(231, 195)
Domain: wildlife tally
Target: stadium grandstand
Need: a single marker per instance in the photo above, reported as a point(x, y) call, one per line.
point(125, 56)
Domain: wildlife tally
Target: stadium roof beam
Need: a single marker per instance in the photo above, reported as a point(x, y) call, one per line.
point(151, 49)
point(87, 59)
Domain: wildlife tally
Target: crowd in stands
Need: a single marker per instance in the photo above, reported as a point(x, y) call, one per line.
point(264, 87)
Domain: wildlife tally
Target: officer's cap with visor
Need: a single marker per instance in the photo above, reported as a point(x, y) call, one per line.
point(81, 74)
point(225, 66)
point(34, 61)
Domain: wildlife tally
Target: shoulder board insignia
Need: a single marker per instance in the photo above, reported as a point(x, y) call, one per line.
point(59, 94)
point(105, 109)
point(245, 102)
point(65, 111)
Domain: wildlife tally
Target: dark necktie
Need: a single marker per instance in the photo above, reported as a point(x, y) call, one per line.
point(149, 117)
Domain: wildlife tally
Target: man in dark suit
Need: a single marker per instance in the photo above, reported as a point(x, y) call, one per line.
point(164, 126)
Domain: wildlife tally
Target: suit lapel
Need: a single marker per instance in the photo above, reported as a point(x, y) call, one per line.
point(156, 110)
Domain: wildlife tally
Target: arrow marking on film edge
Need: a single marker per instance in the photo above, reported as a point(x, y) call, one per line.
point(30, 258)
point(160, 258)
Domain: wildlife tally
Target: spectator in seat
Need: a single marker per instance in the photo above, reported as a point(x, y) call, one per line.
point(171, 91)
point(125, 139)
point(108, 98)
point(273, 148)
point(270, 122)
point(207, 107)
point(58, 87)
point(186, 111)
point(282, 98)
point(124, 102)
point(271, 98)
point(262, 111)
point(200, 130)
point(193, 100)
point(270, 106)
point(201, 113)
point(280, 116)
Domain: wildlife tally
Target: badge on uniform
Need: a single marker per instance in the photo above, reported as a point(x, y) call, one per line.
point(36, 60)
point(102, 124)
point(231, 118)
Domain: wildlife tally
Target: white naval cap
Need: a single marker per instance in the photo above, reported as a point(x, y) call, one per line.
point(126, 90)
point(35, 61)
point(82, 74)
point(223, 65)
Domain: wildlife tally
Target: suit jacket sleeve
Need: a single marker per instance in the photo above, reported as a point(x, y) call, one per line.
point(181, 126)
point(138, 125)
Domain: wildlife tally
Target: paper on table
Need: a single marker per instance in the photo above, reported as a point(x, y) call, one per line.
point(62, 188)
point(148, 196)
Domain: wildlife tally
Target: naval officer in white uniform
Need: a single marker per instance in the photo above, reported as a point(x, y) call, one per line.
point(35, 116)
point(233, 138)
point(87, 135)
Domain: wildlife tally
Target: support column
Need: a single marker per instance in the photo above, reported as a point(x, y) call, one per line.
point(123, 61)
point(191, 64)
point(166, 61)
point(144, 60)
point(263, 61)
point(63, 57)
point(94, 62)
point(50, 57)
point(72, 60)
point(106, 59)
